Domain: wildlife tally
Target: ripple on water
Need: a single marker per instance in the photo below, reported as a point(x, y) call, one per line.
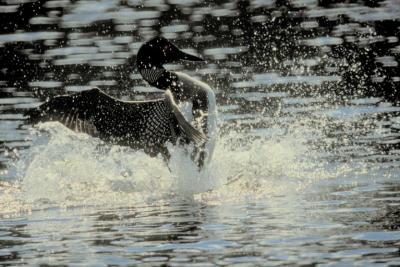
point(378, 236)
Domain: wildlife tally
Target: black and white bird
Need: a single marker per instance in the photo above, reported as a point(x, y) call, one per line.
point(148, 125)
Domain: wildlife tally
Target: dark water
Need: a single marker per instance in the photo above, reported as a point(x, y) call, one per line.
point(307, 93)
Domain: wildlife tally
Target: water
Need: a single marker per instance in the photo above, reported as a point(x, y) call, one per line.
point(305, 170)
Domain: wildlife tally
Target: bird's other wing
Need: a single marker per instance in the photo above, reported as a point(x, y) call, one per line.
point(188, 130)
point(78, 111)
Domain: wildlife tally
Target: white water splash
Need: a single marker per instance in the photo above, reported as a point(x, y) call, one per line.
point(63, 168)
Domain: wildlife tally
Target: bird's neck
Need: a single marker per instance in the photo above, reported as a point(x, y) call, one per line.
point(182, 86)
point(158, 76)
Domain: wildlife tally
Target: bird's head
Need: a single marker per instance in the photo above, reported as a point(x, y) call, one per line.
point(156, 52)
point(159, 51)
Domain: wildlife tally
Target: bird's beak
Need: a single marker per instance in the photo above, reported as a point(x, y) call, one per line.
point(185, 56)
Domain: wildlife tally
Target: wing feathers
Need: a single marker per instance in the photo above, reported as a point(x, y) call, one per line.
point(190, 132)
point(74, 111)
point(87, 110)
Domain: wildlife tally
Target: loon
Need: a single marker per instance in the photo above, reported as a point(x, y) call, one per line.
point(147, 125)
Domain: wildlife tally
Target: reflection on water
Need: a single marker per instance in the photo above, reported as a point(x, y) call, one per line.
point(306, 167)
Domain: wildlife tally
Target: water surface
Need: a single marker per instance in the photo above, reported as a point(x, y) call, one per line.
point(306, 168)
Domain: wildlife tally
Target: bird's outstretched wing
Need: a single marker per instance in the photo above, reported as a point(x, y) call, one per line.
point(186, 128)
point(78, 112)
point(95, 113)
